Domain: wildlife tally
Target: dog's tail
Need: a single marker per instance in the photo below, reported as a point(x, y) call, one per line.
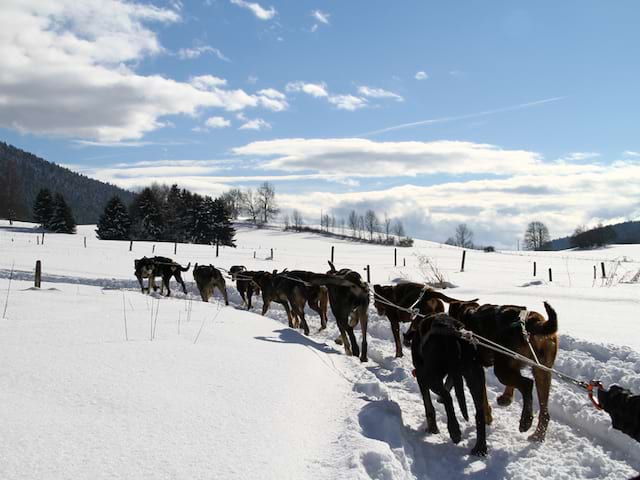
point(458, 386)
point(444, 298)
point(185, 269)
point(550, 326)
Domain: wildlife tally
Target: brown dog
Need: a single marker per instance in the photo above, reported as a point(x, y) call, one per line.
point(516, 328)
point(405, 295)
point(208, 278)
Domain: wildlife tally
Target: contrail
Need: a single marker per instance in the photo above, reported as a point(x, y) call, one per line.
point(462, 117)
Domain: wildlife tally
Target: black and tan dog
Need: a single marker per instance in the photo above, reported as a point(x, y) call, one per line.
point(245, 285)
point(438, 352)
point(349, 301)
point(265, 281)
point(208, 278)
point(298, 290)
point(516, 328)
point(406, 295)
point(162, 267)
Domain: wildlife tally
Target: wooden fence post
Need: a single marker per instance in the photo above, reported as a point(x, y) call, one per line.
point(153, 248)
point(594, 272)
point(42, 241)
point(464, 256)
point(604, 275)
point(254, 254)
point(368, 269)
point(550, 275)
point(85, 242)
point(404, 262)
point(37, 240)
point(130, 245)
point(534, 269)
point(217, 251)
point(175, 248)
point(332, 251)
point(38, 274)
point(395, 257)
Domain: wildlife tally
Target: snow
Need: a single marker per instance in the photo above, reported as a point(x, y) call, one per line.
point(252, 398)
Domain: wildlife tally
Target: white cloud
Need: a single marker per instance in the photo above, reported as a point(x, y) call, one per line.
point(217, 122)
point(321, 17)
point(252, 79)
point(256, 9)
point(421, 75)
point(204, 82)
point(66, 74)
point(255, 124)
point(630, 153)
point(367, 158)
point(272, 99)
point(195, 52)
point(378, 93)
point(347, 102)
point(317, 90)
point(580, 156)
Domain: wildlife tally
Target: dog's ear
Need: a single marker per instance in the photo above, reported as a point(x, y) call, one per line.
point(195, 266)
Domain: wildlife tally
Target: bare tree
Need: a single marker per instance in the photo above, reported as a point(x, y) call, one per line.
point(266, 198)
point(361, 227)
point(252, 206)
point(296, 217)
point(536, 235)
point(353, 222)
point(387, 226)
point(286, 222)
point(233, 200)
point(464, 236)
point(398, 229)
point(371, 222)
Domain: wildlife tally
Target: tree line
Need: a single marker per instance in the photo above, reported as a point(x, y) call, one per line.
point(170, 214)
point(367, 227)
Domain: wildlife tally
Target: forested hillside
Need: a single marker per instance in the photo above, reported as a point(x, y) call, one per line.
point(22, 175)
point(622, 233)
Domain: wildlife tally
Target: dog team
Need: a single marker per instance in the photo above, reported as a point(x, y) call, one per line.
point(442, 357)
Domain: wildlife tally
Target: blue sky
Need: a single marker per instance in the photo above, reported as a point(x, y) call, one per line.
point(521, 110)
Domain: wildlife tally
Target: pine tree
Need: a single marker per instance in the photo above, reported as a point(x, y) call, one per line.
point(223, 232)
point(114, 223)
point(43, 207)
point(61, 220)
point(146, 213)
point(204, 227)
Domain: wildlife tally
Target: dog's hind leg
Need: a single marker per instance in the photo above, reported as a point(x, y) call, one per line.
point(178, 278)
point(506, 398)
point(344, 337)
point(223, 291)
point(364, 320)
point(477, 386)
point(452, 422)
point(355, 349)
point(395, 329)
point(508, 373)
point(430, 412)
point(543, 385)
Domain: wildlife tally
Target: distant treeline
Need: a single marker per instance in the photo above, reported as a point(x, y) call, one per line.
point(23, 175)
point(621, 233)
point(365, 227)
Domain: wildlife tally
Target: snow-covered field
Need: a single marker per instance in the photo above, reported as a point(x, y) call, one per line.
point(223, 393)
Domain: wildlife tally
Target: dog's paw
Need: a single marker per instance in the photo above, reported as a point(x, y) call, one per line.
point(504, 400)
point(525, 423)
point(537, 437)
point(432, 429)
point(479, 450)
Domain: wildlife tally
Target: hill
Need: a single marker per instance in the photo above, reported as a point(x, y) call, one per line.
point(24, 174)
point(155, 384)
point(625, 233)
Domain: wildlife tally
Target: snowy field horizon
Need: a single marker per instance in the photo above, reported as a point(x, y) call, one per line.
point(98, 380)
